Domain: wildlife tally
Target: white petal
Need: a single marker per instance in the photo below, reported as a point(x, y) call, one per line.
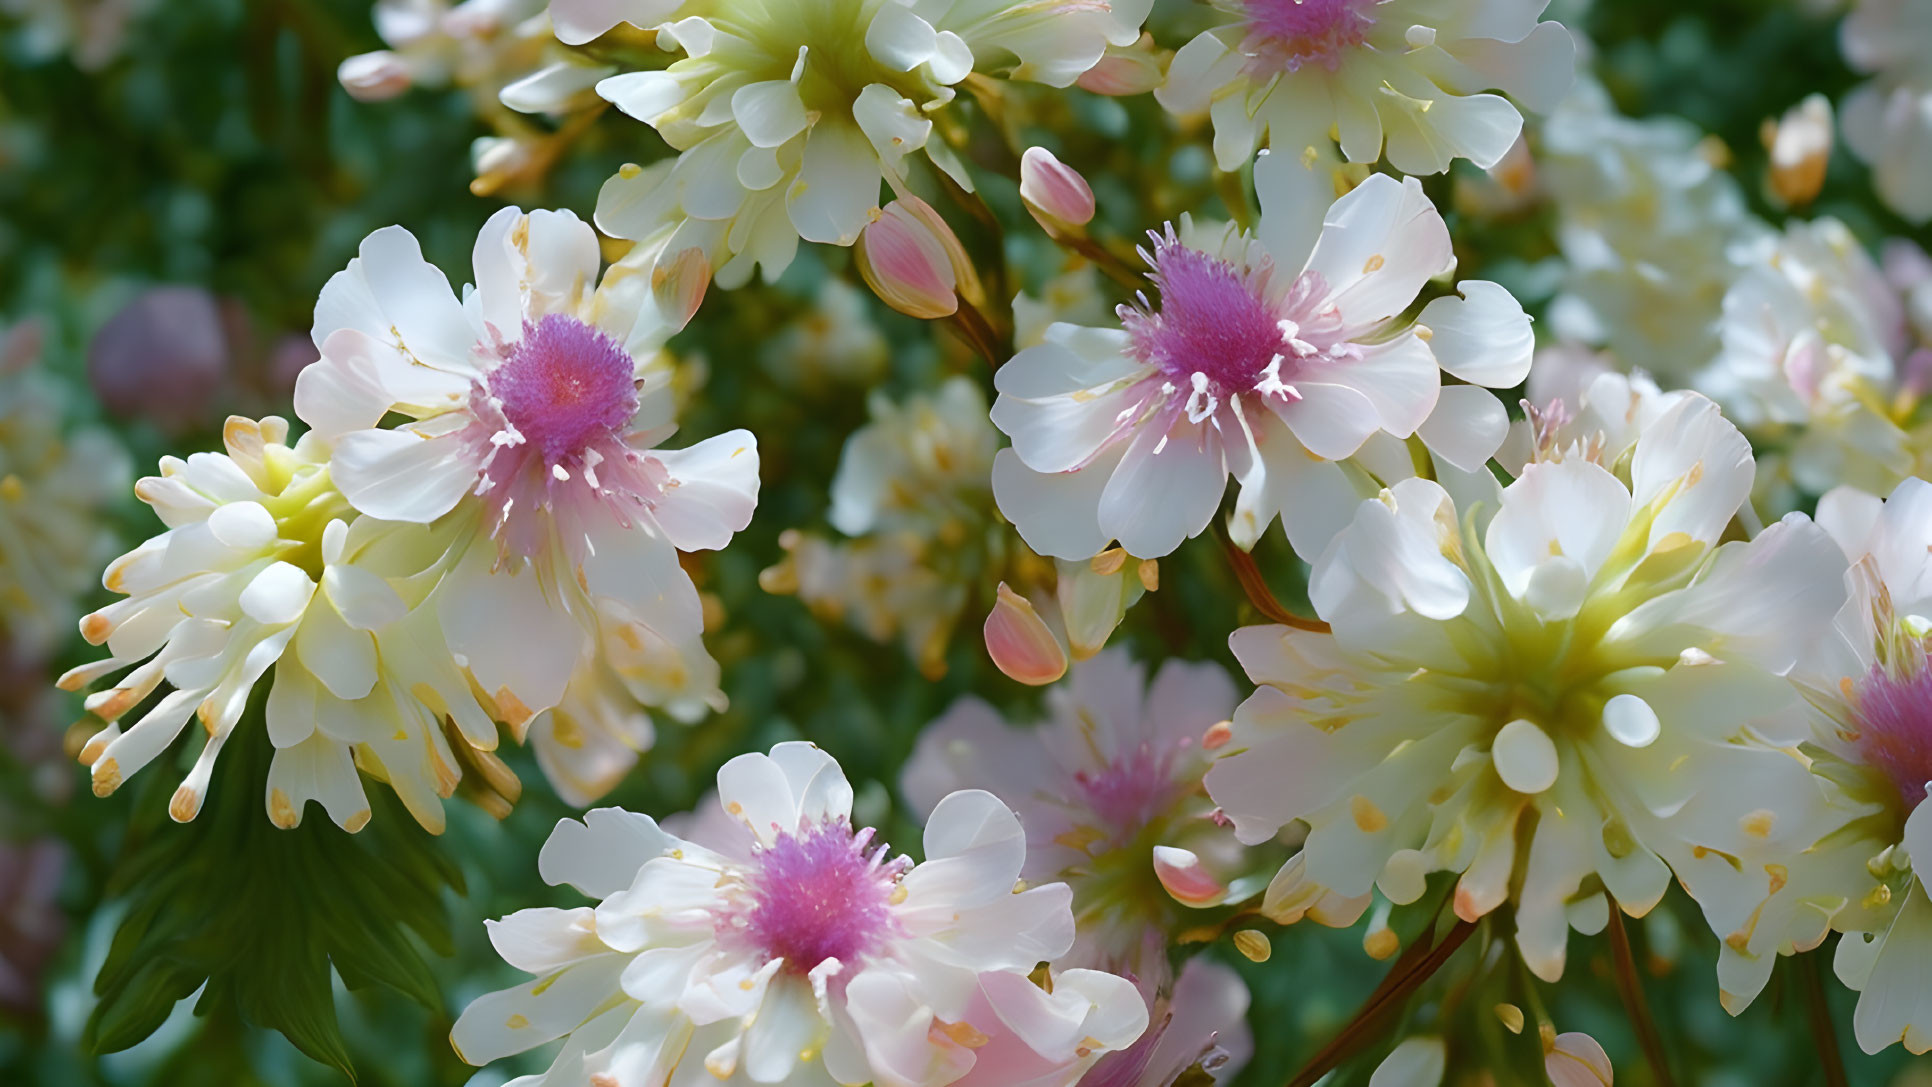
point(770, 112)
point(277, 595)
point(1525, 757)
point(837, 188)
point(399, 475)
point(1379, 245)
point(1483, 337)
point(601, 855)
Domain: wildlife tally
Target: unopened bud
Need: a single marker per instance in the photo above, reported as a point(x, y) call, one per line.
point(1054, 192)
point(1021, 643)
point(1186, 878)
point(907, 263)
point(164, 358)
point(1576, 1060)
point(1800, 148)
point(1125, 70)
point(374, 77)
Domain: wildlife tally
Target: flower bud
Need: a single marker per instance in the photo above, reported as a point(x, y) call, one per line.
point(1054, 192)
point(374, 77)
point(1576, 1060)
point(1186, 878)
point(1800, 148)
point(164, 358)
point(1021, 643)
point(907, 263)
point(1125, 70)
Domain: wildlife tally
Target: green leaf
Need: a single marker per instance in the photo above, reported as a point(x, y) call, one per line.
point(263, 915)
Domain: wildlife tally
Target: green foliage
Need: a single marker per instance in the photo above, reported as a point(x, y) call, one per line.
point(262, 915)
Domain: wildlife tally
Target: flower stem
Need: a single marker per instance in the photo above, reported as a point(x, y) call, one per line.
point(1630, 991)
point(1262, 597)
point(1824, 1036)
point(1417, 965)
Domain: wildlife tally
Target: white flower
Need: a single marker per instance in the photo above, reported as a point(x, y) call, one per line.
point(797, 953)
point(1588, 661)
point(1815, 362)
point(55, 483)
point(1888, 121)
point(1268, 358)
point(789, 117)
point(1580, 407)
point(486, 46)
point(536, 405)
point(1111, 776)
point(1404, 72)
point(1647, 224)
point(1869, 681)
point(911, 489)
point(265, 566)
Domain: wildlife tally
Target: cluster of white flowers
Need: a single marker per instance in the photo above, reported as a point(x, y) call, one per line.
point(1557, 664)
point(788, 118)
point(511, 551)
point(791, 947)
point(54, 481)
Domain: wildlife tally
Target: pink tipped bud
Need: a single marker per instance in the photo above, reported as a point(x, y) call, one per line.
point(1576, 1060)
point(374, 77)
point(1186, 878)
point(1054, 192)
point(907, 263)
point(1124, 71)
point(1021, 643)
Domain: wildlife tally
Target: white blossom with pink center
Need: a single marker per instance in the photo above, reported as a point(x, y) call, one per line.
point(536, 404)
point(1109, 781)
point(1401, 73)
point(798, 951)
point(1869, 681)
point(1268, 358)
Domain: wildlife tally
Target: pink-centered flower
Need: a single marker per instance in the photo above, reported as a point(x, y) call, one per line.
point(1105, 786)
point(536, 405)
point(1869, 681)
point(1267, 358)
point(791, 947)
point(1400, 73)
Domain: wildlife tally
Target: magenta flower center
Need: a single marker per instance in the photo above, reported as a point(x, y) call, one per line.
point(1283, 35)
point(1130, 792)
point(1222, 330)
point(819, 894)
point(564, 386)
point(1893, 713)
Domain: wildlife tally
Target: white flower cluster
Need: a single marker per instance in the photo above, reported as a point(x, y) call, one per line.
point(508, 555)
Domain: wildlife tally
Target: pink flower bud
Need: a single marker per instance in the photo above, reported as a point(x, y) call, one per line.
point(1054, 192)
point(1021, 643)
point(374, 77)
point(163, 358)
point(907, 263)
point(1124, 71)
point(1186, 878)
point(1576, 1060)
